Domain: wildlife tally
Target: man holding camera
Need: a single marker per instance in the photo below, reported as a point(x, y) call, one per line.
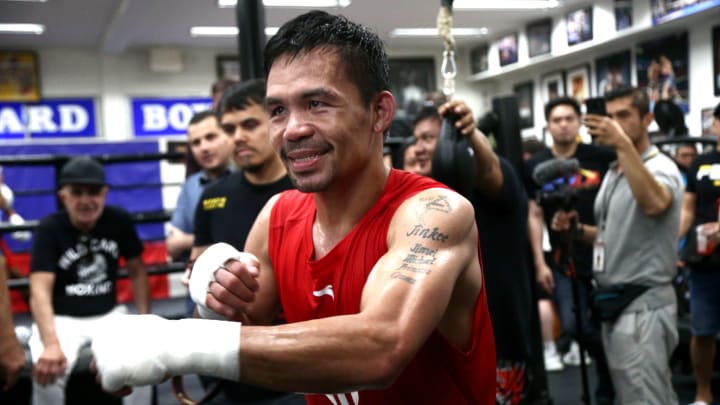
point(563, 122)
point(634, 250)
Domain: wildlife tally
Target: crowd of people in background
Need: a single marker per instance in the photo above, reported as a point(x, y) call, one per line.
point(596, 248)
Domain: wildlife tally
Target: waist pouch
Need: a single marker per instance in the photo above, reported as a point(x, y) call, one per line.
point(609, 302)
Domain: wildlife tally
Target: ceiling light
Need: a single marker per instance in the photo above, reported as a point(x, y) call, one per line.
point(505, 4)
point(292, 3)
point(433, 32)
point(224, 31)
point(36, 29)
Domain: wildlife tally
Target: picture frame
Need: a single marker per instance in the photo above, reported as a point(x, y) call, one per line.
point(479, 59)
point(524, 93)
point(508, 49)
point(706, 115)
point(663, 69)
point(538, 36)
point(227, 67)
point(577, 82)
point(612, 71)
point(579, 25)
point(19, 76)
point(716, 58)
point(552, 86)
point(411, 79)
point(623, 14)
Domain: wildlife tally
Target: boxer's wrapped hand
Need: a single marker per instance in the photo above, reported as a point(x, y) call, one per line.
point(223, 281)
point(135, 350)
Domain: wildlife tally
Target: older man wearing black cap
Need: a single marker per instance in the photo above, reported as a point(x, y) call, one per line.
point(74, 266)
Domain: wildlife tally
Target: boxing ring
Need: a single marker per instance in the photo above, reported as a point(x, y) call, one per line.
point(142, 179)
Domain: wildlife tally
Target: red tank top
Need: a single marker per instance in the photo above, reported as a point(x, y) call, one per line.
point(311, 289)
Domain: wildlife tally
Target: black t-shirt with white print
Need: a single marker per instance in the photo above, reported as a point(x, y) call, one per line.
point(85, 264)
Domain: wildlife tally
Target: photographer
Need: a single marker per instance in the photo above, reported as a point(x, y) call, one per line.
point(634, 250)
point(563, 123)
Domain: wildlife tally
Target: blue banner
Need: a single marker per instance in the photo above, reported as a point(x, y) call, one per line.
point(165, 116)
point(57, 118)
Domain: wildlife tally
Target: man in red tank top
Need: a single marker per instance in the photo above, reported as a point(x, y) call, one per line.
point(377, 270)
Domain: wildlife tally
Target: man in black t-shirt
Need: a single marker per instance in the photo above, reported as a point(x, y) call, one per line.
point(501, 215)
point(227, 208)
point(73, 271)
point(701, 208)
point(563, 123)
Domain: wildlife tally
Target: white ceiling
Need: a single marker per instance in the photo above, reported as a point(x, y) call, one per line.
point(115, 26)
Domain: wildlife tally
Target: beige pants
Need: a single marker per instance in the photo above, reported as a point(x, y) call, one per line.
point(75, 333)
point(638, 347)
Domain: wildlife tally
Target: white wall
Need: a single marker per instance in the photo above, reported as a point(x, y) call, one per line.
point(114, 79)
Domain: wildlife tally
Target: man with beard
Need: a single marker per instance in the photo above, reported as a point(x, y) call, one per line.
point(227, 208)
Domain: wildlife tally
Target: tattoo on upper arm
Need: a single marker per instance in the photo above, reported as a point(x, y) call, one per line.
point(437, 203)
point(427, 233)
point(415, 266)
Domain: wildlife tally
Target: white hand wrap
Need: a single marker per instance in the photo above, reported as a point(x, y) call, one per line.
point(137, 350)
point(203, 273)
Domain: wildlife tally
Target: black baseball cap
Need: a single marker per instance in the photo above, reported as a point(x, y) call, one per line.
point(82, 170)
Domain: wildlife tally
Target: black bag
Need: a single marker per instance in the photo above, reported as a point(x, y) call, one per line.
point(609, 302)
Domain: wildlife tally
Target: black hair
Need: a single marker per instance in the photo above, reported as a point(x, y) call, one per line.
point(200, 116)
point(359, 49)
point(428, 111)
point(239, 96)
point(564, 100)
point(639, 98)
point(716, 112)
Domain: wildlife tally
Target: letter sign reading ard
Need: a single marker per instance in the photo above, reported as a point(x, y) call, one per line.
point(165, 116)
point(58, 118)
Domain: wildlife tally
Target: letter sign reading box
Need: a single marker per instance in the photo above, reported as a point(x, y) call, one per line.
point(165, 116)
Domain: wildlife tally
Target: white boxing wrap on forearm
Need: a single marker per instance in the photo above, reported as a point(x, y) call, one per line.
point(138, 350)
point(203, 273)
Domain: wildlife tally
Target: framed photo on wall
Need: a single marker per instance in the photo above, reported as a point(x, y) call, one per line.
point(579, 24)
point(552, 86)
point(706, 114)
point(577, 82)
point(508, 49)
point(662, 68)
point(538, 36)
point(411, 79)
point(524, 93)
point(228, 67)
point(716, 58)
point(611, 72)
point(19, 76)
point(623, 14)
point(479, 59)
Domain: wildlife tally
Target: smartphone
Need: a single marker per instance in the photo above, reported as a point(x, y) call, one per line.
point(595, 105)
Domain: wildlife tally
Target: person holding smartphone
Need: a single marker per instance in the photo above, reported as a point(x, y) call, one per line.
point(637, 210)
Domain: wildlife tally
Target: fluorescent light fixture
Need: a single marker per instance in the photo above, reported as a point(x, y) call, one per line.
point(224, 31)
point(505, 4)
point(433, 32)
point(36, 29)
point(292, 3)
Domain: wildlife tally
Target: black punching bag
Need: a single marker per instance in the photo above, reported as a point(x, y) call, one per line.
point(453, 162)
